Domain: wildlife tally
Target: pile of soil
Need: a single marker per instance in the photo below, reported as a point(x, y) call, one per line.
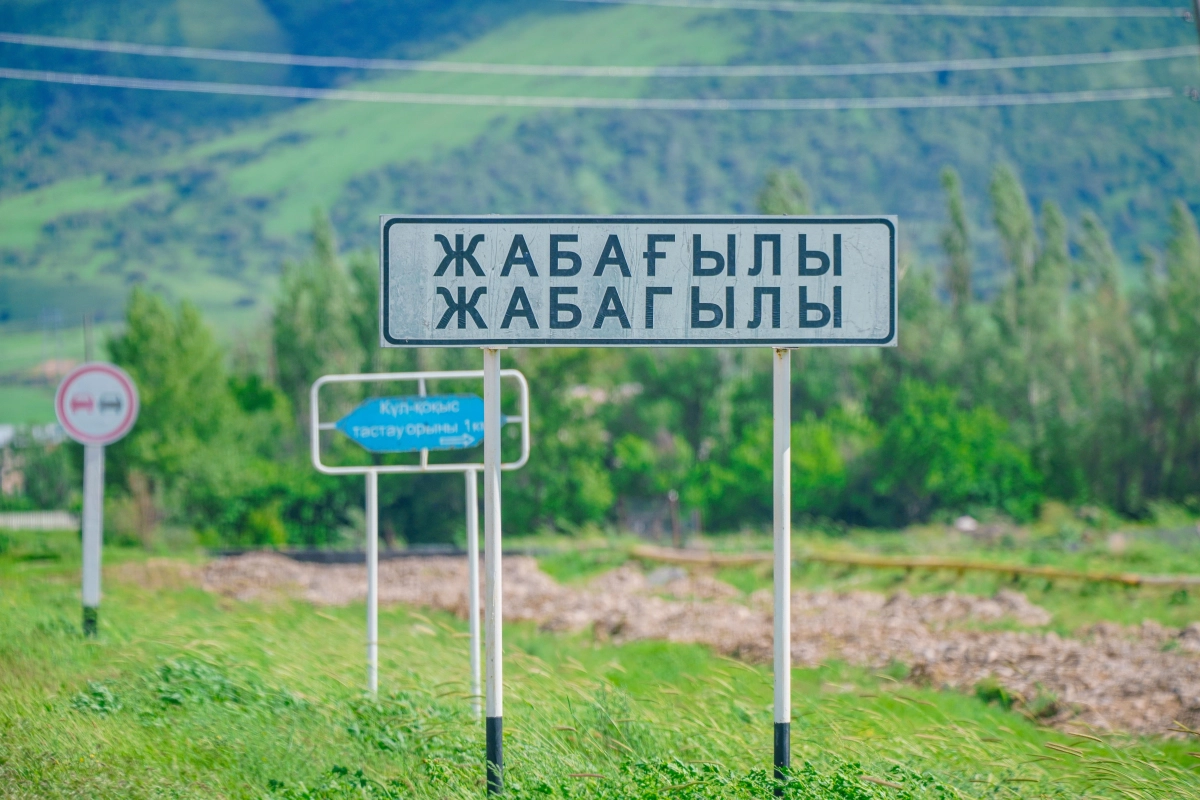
point(1140, 679)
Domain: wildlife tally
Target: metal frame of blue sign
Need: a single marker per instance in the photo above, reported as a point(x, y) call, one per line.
point(470, 472)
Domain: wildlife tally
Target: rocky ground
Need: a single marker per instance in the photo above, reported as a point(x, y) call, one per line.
point(1143, 679)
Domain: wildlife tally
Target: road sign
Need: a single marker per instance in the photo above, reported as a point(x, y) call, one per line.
point(96, 403)
point(410, 424)
point(628, 281)
point(437, 405)
point(494, 282)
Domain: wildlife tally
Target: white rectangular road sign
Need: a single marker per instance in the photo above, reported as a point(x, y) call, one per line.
point(628, 281)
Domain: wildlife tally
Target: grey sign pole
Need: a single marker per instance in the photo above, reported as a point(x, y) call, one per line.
point(96, 404)
point(93, 533)
point(782, 468)
point(546, 281)
point(472, 479)
point(372, 547)
point(494, 722)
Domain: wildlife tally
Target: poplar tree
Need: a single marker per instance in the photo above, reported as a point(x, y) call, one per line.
point(311, 330)
point(1175, 380)
point(1018, 237)
point(956, 242)
point(784, 192)
point(1108, 380)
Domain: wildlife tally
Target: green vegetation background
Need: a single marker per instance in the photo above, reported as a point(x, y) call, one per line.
point(1065, 384)
point(205, 197)
point(1048, 324)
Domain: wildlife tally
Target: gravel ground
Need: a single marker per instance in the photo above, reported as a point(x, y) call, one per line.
point(1140, 679)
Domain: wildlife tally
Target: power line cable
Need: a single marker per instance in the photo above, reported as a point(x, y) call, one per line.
point(569, 71)
point(641, 104)
point(911, 10)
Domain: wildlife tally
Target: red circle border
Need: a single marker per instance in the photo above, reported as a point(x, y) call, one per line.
point(130, 415)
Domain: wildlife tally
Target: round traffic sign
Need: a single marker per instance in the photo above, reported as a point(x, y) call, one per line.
point(96, 403)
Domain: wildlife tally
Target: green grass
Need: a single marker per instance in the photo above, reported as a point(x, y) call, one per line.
point(22, 216)
point(338, 141)
point(26, 405)
point(309, 154)
point(189, 695)
point(577, 565)
point(25, 349)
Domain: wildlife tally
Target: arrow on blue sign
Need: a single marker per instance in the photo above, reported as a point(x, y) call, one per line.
point(409, 424)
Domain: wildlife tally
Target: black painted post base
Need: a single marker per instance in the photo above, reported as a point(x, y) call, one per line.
point(783, 753)
point(495, 754)
point(91, 617)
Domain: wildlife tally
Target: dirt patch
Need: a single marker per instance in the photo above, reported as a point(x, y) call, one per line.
point(1110, 677)
point(157, 574)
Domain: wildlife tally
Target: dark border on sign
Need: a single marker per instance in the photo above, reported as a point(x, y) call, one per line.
point(566, 219)
point(130, 414)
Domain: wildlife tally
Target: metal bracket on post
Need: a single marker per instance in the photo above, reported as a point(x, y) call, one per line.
point(469, 469)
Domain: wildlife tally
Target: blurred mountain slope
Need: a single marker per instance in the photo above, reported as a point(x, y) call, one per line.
point(205, 196)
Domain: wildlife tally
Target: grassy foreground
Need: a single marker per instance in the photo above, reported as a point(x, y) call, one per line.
point(185, 694)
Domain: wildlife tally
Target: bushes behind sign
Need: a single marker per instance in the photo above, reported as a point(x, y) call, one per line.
point(1059, 383)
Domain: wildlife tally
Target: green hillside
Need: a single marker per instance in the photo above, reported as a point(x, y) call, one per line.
point(205, 197)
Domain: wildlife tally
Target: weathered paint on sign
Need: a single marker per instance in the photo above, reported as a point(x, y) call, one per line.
point(622, 281)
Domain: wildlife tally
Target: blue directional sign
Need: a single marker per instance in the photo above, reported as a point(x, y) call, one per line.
point(409, 424)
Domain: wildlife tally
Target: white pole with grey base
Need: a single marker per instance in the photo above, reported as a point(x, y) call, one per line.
point(93, 534)
point(372, 581)
point(96, 404)
point(494, 721)
point(782, 403)
point(473, 586)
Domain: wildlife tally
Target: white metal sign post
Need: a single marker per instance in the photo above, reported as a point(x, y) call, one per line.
point(96, 404)
point(369, 432)
point(778, 282)
point(781, 408)
point(494, 719)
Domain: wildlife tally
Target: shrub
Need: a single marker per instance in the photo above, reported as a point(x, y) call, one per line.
point(935, 454)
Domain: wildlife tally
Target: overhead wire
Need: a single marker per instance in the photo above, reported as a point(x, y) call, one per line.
point(618, 103)
point(572, 71)
point(913, 9)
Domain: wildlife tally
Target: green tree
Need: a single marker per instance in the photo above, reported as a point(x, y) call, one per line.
point(363, 270)
point(956, 242)
point(1175, 360)
point(784, 192)
point(312, 331)
point(178, 368)
point(1108, 376)
point(935, 454)
point(567, 481)
point(1018, 236)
